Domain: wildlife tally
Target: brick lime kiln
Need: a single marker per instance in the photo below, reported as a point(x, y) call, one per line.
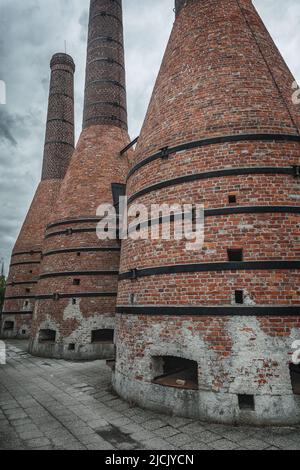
point(209, 333)
point(26, 256)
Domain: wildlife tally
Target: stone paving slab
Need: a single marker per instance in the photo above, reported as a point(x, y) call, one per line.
point(56, 405)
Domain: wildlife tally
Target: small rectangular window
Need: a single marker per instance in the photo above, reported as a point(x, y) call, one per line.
point(103, 336)
point(76, 282)
point(235, 255)
point(118, 191)
point(232, 199)
point(176, 372)
point(239, 296)
point(9, 326)
point(246, 402)
point(47, 336)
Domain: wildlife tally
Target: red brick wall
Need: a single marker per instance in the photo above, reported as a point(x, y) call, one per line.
point(58, 148)
point(221, 75)
point(95, 165)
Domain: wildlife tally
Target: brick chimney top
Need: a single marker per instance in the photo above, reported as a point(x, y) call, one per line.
point(62, 59)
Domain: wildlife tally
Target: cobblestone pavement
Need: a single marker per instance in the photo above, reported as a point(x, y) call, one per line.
point(51, 404)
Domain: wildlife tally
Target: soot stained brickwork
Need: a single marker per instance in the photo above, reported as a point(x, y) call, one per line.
point(59, 146)
point(221, 76)
point(77, 290)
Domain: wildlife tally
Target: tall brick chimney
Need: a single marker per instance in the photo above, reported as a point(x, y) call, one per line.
point(105, 88)
point(76, 298)
point(59, 146)
point(209, 333)
point(59, 140)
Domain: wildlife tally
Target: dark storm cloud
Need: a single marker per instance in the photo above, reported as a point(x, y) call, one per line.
point(36, 29)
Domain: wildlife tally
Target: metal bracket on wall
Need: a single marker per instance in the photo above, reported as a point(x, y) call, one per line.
point(296, 171)
point(134, 274)
point(165, 152)
point(129, 146)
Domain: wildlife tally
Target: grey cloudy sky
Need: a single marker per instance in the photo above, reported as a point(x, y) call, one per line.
point(33, 30)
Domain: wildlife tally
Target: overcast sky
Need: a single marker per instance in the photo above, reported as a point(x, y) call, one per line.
point(33, 30)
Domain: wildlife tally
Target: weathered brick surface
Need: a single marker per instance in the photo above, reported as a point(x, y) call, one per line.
point(235, 355)
point(217, 157)
point(262, 237)
point(278, 287)
point(95, 165)
point(221, 75)
point(59, 145)
point(22, 326)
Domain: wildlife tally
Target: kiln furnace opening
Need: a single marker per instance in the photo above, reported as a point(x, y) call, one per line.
point(103, 336)
point(177, 372)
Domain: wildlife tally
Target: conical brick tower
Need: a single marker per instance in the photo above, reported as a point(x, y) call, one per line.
point(210, 333)
point(26, 255)
point(76, 299)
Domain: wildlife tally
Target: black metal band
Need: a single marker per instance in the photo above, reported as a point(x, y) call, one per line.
point(21, 283)
point(109, 60)
point(61, 120)
point(28, 312)
point(166, 151)
point(78, 273)
point(24, 263)
point(208, 267)
point(220, 211)
point(105, 39)
point(64, 70)
point(110, 82)
point(19, 253)
point(106, 118)
point(104, 13)
point(129, 146)
point(73, 221)
point(253, 210)
point(20, 297)
point(213, 174)
point(81, 250)
point(181, 311)
point(77, 296)
point(70, 232)
point(110, 103)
